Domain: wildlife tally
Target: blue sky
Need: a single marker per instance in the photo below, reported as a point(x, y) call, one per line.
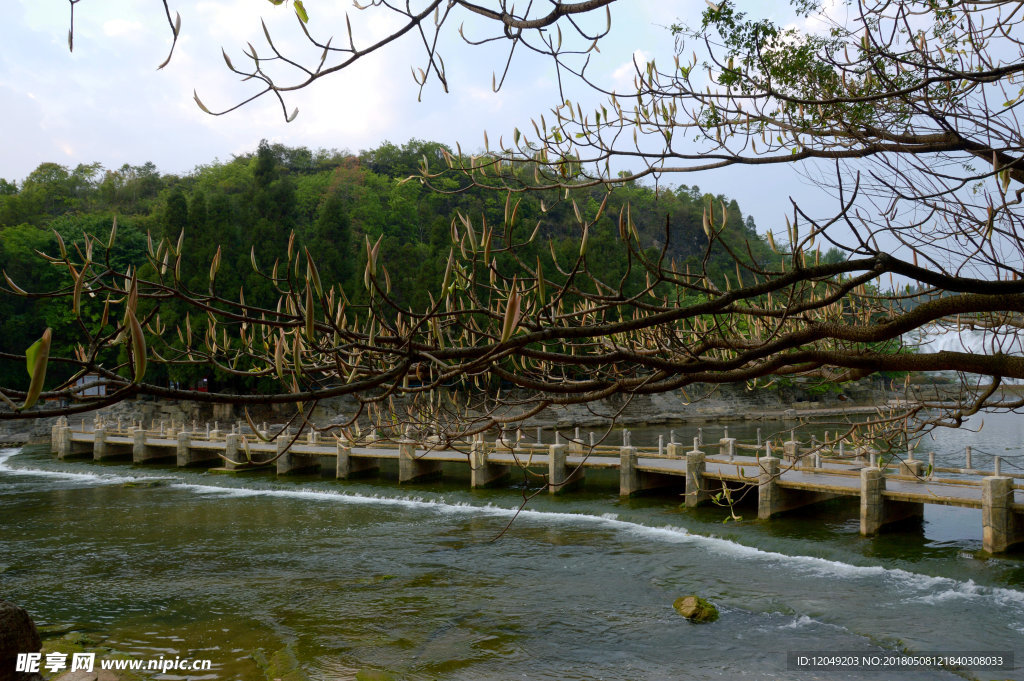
point(106, 102)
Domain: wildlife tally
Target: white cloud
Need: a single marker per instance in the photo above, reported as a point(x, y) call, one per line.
point(119, 28)
point(624, 77)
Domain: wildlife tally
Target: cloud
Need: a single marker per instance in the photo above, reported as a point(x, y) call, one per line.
point(624, 77)
point(119, 28)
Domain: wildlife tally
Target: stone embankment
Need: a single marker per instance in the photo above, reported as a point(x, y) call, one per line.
point(699, 405)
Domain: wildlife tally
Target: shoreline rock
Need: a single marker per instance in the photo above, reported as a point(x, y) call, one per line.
point(18, 634)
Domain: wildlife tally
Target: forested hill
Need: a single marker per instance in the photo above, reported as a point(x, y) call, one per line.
point(331, 200)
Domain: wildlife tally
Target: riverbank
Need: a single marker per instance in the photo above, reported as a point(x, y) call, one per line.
point(700, 404)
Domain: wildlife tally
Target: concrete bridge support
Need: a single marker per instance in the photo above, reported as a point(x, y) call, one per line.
point(773, 499)
point(727, 447)
point(67, 448)
point(696, 486)
point(234, 454)
point(348, 466)
point(55, 430)
point(187, 455)
point(290, 463)
point(633, 481)
point(141, 452)
point(875, 510)
point(410, 468)
point(560, 477)
point(483, 473)
point(1002, 527)
point(102, 449)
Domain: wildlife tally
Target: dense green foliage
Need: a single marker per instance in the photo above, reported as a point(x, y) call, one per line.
point(249, 206)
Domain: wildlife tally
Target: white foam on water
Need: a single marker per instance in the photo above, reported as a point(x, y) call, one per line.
point(915, 586)
point(95, 478)
point(800, 622)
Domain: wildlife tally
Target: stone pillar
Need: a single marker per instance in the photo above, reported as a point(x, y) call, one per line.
point(64, 448)
point(576, 445)
point(233, 456)
point(629, 478)
point(768, 491)
point(911, 467)
point(696, 487)
point(410, 468)
point(184, 455)
point(727, 447)
point(875, 510)
point(139, 450)
point(55, 434)
point(1001, 526)
point(289, 462)
point(791, 449)
point(674, 450)
point(99, 443)
point(482, 473)
point(872, 511)
point(349, 466)
point(560, 479)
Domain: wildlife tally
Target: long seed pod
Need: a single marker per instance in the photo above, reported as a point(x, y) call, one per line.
point(279, 356)
point(314, 274)
point(512, 312)
point(36, 358)
point(138, 347)
point(214, 265)
point(76, 300)
point(310, 318)
point(541, 286)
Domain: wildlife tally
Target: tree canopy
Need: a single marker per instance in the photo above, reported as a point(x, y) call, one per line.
point(904, 112)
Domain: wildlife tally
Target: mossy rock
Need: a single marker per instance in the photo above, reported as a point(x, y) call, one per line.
point(78, 640)
point(695, 609)
point(280, 666)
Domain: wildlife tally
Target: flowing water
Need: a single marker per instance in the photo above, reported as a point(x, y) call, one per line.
point(310, 577)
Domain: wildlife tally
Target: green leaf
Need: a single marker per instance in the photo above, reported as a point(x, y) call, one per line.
point(300, 11)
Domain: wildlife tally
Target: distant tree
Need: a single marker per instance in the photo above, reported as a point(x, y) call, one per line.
point(176, 216)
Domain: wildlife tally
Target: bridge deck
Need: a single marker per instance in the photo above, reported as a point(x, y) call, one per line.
point(832, 477)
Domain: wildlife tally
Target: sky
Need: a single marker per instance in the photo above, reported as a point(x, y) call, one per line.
point(106, 102)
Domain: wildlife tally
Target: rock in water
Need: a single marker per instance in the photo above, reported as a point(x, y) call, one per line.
point(17, 635)
point(695, 609)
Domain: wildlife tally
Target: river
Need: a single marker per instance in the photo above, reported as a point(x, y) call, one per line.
point(313, 578)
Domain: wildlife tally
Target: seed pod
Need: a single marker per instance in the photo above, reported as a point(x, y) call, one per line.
point(36, 358)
